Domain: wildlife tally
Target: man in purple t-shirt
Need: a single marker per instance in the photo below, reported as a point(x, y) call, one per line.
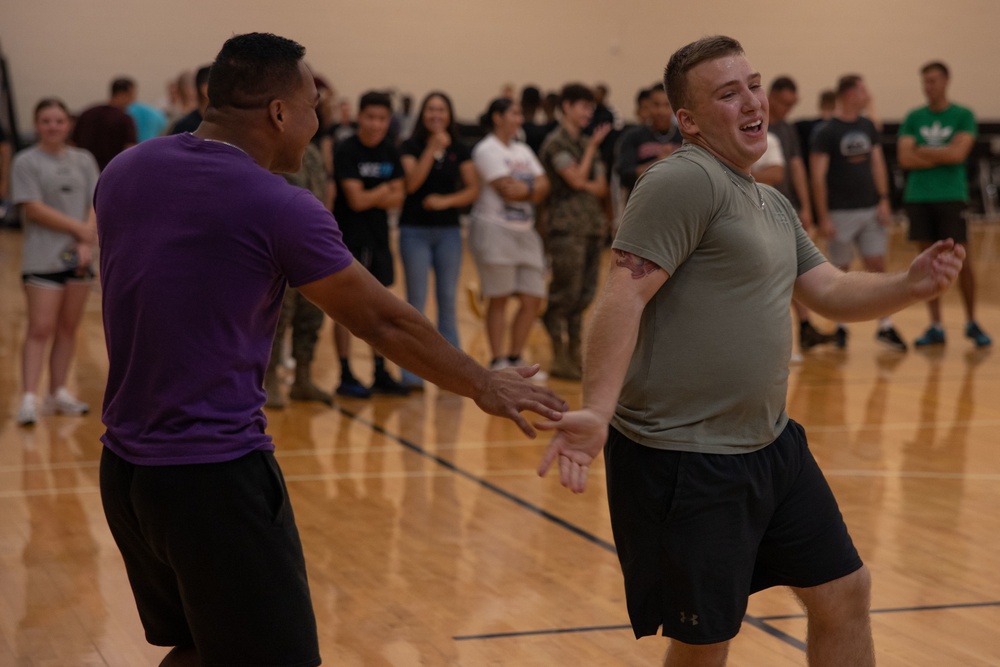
point(198, 239)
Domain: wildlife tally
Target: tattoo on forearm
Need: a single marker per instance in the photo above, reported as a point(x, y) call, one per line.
point(639, 266)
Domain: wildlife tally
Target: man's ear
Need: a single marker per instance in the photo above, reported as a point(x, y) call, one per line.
point(276, 111)
point(686, 123)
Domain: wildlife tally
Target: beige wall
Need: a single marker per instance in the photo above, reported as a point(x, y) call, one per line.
point(73, 48)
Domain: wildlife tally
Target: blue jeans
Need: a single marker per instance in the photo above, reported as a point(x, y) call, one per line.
point(424, 248)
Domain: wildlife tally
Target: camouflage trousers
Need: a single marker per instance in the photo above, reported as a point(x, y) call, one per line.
point(575, 264)
point(305, 318)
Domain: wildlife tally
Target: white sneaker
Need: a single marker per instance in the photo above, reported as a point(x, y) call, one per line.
point(500, 364)
point(28, 412)
point(65, 403)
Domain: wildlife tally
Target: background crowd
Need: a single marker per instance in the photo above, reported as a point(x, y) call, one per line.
point(540, 181)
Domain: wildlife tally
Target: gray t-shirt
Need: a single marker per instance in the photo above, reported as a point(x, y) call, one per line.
point(66, 183)
point(710, 370)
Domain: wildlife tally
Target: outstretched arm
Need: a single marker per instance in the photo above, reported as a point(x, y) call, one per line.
point(354, 298)
point(858, 295)
point(612, 334)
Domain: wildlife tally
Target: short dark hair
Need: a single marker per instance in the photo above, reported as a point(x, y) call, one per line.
point(847, 82)
point(936, 65)
point(783, 83)
point(253, 69)
point(531, 98)
point(122, 84)
point(643, 95)
point(420, 132)
point(375, 98)
point(827, 99)
point(687, 57)
point(201, 76)
point(575, 92)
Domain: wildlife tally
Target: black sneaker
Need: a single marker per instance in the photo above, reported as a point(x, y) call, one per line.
point(385, 384)
point(809, 337)
point(840, 338)
point(890, 337)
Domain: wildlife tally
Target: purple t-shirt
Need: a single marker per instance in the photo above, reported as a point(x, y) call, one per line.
point(197, 242)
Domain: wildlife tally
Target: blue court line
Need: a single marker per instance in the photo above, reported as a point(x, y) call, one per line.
point(417, 449)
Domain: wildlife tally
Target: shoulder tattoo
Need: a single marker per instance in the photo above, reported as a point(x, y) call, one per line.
point(639, 266)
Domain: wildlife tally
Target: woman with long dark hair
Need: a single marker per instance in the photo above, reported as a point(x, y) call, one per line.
point(53, 184)
point(440, 181)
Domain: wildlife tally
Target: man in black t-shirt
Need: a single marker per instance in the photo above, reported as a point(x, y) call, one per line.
point(643, 145)
point(369, 179)
point(851, 191)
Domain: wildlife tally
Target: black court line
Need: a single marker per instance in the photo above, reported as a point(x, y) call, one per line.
point(900, 610)
point(417, 449)
point(761, 623)
point(535, 633)
point(531, 507)
point(755, 622)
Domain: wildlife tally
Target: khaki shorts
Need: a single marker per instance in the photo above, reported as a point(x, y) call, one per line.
point(504, 280)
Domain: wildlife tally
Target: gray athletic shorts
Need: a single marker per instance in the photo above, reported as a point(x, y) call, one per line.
point(505, 280)
point(855, 227)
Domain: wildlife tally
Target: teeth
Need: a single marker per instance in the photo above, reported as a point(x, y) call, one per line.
point(750, 125)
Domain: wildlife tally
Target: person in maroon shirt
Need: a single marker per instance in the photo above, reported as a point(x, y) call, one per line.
point(106, 129)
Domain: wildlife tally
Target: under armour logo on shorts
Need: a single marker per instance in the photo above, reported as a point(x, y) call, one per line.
point(689, 618)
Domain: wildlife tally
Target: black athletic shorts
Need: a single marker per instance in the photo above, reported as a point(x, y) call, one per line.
point(58, 279)
point(698, 533)
point(214, 558)
point(935, 221)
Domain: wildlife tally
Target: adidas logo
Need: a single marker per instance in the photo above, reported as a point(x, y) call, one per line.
point(936, 135)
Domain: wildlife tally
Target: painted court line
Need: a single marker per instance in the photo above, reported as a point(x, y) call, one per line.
point(531, 507)
point(759, 622)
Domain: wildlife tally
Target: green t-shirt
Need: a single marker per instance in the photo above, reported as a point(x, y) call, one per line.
point(710, 369)
point(946, 182)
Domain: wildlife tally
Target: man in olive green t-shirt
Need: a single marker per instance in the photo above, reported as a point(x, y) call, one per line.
point(712, 490)
point(934, 142)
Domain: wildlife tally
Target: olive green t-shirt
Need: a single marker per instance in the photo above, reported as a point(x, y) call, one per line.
point(710, 370)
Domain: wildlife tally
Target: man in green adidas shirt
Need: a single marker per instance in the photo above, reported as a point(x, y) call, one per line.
point(934, 142)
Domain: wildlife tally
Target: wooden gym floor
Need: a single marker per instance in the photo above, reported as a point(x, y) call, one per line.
point(430, 540)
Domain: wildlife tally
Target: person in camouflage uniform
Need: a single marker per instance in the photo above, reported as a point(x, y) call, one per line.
point(576, 225)
point(304, 317)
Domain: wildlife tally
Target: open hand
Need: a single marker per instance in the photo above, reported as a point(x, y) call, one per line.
point(580, 436)
point(509, 392)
